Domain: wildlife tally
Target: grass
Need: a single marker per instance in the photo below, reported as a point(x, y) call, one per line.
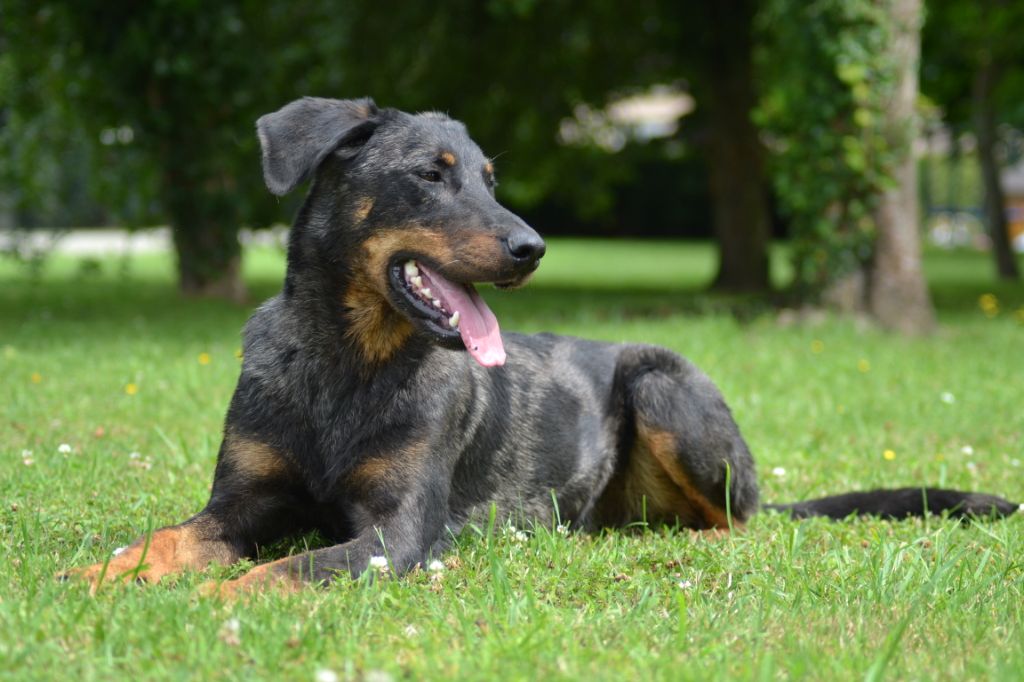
point(106, 359)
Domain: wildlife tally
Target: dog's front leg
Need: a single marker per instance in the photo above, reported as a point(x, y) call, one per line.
point(394, 541)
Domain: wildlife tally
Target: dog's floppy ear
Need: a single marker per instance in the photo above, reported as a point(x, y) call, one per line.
point(297, 137)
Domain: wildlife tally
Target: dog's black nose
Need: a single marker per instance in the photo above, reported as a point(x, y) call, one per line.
point(526, 246)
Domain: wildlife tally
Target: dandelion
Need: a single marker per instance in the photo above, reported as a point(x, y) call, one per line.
point(817, 346)
point(989, 305)
point(131, 389)
point(204, 358)
point(889, 455)
point(947, 398)
point(435, 566)
point(37, 378)
point(967, 450)
point(779, 472)
point(325, 675)
point(238, 353)
point(64, 449)
point(940, 457)
point(863, 366)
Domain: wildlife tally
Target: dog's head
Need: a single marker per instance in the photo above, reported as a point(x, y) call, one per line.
point(405, 203)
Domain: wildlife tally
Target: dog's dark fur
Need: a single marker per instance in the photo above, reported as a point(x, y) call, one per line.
point(358, 415)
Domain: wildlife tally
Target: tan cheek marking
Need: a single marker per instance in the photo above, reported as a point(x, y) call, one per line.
point(448, 158)
point(363, 208)
point(377, 328)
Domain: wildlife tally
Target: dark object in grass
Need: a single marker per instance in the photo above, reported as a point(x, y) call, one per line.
point(901, 503)
point(380, 405)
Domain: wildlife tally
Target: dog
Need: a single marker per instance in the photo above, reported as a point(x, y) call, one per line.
point(380, 404)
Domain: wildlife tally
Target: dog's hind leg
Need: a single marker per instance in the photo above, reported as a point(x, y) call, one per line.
point(250, 503)
point(682, 458)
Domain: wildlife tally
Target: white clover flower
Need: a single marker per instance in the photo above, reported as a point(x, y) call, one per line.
point(779, 472)
point(230, 632)
point(325, 675)
point(947, 398)
point(685, 584)
point(562, 529)
point(520, 536)
point(435, 566)
point(379, 562)
point(63, 448)
point(967, 450)
point(118, 550)
point(411, 630)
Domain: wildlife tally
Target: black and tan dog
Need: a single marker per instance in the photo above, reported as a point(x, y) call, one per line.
point(379, 403)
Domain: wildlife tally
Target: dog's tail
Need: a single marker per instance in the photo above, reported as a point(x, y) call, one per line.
point(900, 503)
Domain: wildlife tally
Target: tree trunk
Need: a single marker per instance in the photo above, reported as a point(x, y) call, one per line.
point(205, 230)
point(897, 294)
point(738, 189)
point(985, 79)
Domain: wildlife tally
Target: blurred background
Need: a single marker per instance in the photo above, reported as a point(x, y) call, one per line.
point(851, 132)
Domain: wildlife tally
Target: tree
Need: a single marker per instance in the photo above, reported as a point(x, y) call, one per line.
point(723, 78)
point(165, 93)
point(970, 51)
point(897, 293)
point(840, 83)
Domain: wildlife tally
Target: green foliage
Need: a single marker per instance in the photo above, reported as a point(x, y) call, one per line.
point(155, 103)
point(958, 36)
point(826, 82)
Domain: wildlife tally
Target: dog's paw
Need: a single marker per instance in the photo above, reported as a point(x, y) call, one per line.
point(272, 577)
point(121, 569)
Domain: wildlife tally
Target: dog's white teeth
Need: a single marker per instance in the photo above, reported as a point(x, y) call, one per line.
point(454, 320)
point(426, 292)
point(417, 281)
point(410, 269)
point(437, 303)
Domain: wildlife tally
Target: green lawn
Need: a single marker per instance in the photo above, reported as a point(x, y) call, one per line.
point(110, 362)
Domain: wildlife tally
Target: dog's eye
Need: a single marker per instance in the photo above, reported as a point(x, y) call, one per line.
point(430, 175)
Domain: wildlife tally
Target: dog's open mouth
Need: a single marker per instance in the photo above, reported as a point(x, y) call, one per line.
point(452, 311)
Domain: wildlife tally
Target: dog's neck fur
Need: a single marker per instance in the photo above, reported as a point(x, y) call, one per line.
point(319, 274)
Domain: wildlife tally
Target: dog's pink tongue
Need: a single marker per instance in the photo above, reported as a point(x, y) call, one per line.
point(477, 324)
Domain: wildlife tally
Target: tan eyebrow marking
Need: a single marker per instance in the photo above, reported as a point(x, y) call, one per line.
point(448, 159)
